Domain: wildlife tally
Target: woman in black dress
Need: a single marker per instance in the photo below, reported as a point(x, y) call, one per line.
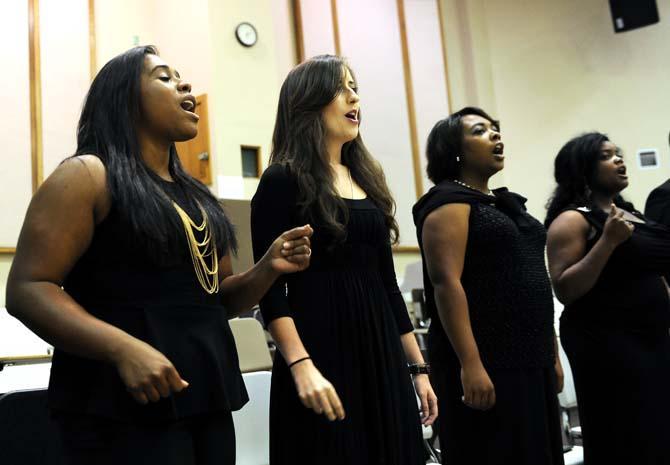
point(487, 290)
point(123, 264)
point(341, 389)
point(606, 262)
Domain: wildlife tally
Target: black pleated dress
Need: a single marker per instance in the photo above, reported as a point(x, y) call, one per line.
point(616, 338)
point(511, 313)
point(349, 314)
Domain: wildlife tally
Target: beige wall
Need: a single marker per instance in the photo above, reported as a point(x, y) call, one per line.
point(246, 88)
point(557, 69)
point(243, 83)
point(200, 42)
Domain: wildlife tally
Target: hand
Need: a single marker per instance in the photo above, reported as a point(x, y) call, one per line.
point(617, 230)
point(560, 377)
point(147, 373)
point(428, 399)
point(291, 251)
point(316, 392)
point(478, 390)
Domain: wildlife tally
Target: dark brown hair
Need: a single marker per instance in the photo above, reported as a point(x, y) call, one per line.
point(299, 141)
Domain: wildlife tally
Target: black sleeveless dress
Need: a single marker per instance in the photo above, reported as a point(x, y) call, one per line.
point(616, 338)
point(511, 313)
point(349, 314)
point(165, 306)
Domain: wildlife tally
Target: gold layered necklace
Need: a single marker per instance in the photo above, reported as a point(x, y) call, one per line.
point(201, 251)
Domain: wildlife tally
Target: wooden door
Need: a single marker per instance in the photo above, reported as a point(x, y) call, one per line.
point(195, 154)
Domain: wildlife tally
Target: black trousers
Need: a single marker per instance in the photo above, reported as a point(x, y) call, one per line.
point(201, 440)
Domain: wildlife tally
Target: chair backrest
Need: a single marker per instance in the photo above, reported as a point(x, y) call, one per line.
point(17, 339)
point(252, 423)
point(252, 347)
point(21, 377)
point(413, 278)
point(28, 435)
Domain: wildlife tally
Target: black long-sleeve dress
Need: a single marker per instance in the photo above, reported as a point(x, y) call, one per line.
point(349, 314)
point(616, 338)
point(511, 313)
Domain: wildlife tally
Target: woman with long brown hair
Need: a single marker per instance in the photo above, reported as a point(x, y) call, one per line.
point(341, 389)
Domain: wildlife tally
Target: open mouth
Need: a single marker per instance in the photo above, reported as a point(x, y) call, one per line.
point(352, 116)
point(188, 105)
point(621, 171)
point(499, 148)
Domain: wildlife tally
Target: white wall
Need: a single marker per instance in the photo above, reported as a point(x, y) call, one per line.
point(15, 164)
point(65, 76)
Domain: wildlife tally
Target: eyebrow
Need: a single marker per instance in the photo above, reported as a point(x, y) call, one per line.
point(167, 68)
point(614, 151)
point(159, 66)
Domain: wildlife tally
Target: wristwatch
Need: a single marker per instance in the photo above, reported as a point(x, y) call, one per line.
point(419, 369)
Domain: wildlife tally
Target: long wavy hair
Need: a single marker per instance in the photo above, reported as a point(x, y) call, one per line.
point(299, 141)
point(445, 144)
point(575, 169)
point(108, 129)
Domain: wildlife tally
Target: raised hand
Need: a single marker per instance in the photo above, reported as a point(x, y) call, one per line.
point(617, 230)
point(291, 251)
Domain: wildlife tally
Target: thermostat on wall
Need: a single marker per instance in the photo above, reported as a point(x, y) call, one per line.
point(647, 159)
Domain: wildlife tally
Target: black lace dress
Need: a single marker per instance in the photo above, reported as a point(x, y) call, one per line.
point(616, 338)
point(511, 312)
point(349, 314)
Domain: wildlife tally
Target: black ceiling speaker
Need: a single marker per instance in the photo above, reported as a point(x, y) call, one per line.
point(632, 14)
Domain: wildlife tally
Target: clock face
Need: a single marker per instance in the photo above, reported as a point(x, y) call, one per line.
point(246, 34)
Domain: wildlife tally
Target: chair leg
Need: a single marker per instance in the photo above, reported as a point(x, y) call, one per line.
point(432, 452)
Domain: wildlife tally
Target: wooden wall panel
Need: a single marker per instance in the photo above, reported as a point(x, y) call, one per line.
point(426, 59)
point(316, 22)
point(370, 39)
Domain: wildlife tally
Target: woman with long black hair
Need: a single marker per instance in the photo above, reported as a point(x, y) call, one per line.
point(341, 388)
point(606, 262)
point(491, 339)
point(123, 264)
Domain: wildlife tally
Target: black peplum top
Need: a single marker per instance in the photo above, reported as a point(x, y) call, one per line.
point(163, 305)
point(504, 277)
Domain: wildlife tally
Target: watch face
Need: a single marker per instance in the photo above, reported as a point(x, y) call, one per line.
point(246, 34)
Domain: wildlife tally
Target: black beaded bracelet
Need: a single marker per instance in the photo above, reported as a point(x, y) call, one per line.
point(419, 369)
point(298, 361)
